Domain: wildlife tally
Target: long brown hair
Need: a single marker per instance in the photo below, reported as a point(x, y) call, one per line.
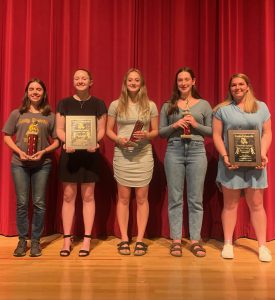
point(250, 102)
point(43, 106)
point(142, 96)
point(173, 102)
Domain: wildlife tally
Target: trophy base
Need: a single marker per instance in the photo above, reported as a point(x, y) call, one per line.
point(186, 136)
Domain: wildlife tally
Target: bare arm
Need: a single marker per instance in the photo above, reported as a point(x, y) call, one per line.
point(101, 127)
point(219, 143)
point(23, 156)
point(11, 144)
point(38, 155)
point(154, 128)
point(60, 127)
point(149, 135)
point(217, 137)
point(266, 141)
point(112, 135)
point(111, 121)
point(60, 131)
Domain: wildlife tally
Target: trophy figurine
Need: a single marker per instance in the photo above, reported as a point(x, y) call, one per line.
point(186, 130)
point(32, 135)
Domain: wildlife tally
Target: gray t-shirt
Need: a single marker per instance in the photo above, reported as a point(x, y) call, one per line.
point(201, 111)
point(21, 124)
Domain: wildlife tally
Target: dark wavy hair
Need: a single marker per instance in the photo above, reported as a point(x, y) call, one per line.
point(173, 102)
point(43, 106)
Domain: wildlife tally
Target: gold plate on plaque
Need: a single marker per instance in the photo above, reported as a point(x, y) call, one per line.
point(81, 132)
point(244, 147)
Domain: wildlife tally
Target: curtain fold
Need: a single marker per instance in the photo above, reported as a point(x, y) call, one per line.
point(51, 39)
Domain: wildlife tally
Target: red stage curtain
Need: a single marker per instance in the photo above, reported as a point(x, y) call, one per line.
point(50, 39)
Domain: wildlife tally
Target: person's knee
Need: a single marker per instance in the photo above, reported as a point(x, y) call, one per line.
point(142, 200)
point(88, 198)
point(69, 197)
point(123, 201)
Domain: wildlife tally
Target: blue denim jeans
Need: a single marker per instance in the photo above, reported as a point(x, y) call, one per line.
point(185, 159)
point(34, 178)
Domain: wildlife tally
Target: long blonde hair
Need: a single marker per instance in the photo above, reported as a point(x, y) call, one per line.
point(142, 97)
point(250, 102)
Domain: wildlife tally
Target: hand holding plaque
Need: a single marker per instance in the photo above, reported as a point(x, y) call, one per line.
point(244, 148)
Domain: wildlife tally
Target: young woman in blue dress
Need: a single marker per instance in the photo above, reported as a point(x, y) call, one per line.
point(241, 110)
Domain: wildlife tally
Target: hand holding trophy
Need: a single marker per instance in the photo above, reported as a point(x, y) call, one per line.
point(133, 141)
point(186, 129)
point(32, 135)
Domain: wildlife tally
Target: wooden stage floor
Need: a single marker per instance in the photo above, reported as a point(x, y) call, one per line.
point(106, 275)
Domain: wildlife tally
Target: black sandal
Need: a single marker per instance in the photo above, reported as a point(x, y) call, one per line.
point(65, 253)
point(140, 246)
point(122, 246)
point(176, 247)
point(83, 253)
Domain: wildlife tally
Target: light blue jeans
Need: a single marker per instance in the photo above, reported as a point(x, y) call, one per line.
point(185, 159)
point(34, 178)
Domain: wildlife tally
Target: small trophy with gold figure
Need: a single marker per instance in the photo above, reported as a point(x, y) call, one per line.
point(32, 135)
point(186, 130)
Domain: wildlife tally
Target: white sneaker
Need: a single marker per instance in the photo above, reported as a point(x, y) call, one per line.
point(264, 254)
point(227, 251)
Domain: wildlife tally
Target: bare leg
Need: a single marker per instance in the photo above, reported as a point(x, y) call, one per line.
point(254, 199)
point(122, 210)
point(142, 216)
point(88, 200)
point(229, 213)
point(68, 210)
point(142, 210)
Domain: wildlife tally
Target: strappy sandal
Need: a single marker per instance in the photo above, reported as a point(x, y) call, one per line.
point(82, 252)
point(65, 252)
point(176, 249)
point(140, 246)
point(123, 248)
point(195, 248)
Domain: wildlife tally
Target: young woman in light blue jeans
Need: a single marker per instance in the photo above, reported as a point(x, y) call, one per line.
point(184, 121)
point(33, 125)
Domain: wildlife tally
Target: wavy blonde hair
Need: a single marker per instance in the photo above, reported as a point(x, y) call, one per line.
point(141, 97)
point(250, 102)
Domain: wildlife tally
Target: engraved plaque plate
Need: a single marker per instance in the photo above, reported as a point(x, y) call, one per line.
point(81, 132)
point(244, 147)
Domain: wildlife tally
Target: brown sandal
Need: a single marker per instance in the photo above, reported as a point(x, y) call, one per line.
point(176, 247)
point(195, 248)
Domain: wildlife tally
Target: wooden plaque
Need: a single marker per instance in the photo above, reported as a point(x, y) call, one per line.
point(81, 132)
point(244, 147)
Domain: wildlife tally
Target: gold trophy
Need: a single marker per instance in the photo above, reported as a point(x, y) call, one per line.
point(32, 135)
point(186, 130)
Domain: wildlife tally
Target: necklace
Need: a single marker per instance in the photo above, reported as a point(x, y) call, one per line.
point(186, 103)
point(81, 101)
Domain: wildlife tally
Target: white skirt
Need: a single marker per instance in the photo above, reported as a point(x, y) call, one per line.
point(133, 167)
